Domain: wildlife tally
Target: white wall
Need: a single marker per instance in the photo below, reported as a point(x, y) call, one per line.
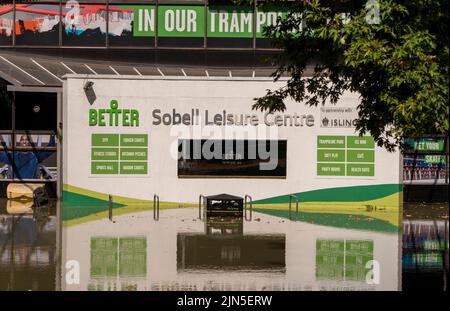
point(235, 96)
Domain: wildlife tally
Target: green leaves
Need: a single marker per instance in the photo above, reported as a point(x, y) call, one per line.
point(399, 66)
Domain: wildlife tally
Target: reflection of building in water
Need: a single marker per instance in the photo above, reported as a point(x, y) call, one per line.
point(425, 245)
point(184, 253)
point(16, 207)
point(230, 253)
point(228, 226)
point(196, 252)
point(224, 246)
point(117, 262)
point(343, 260)
point(27, 253)
point(425, 254)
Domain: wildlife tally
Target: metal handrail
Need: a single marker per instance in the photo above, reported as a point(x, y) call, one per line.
point(46, 171)
point(156, 207)
point(4, 171)
point(110, 207)
point(290, 205)
point(200, 198)
point(245, 207)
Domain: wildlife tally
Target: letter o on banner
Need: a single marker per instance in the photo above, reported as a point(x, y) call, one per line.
point(169, 20)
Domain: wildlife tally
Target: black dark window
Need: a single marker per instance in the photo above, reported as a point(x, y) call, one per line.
point(37, 24)
point(6, 24)
point(35, 111)
point(132, 25)
point(28, 146)
point(5, 107)
point(84, 25)
point(232, 158)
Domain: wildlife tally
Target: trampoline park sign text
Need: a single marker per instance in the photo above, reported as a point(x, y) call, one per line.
point(189, 21)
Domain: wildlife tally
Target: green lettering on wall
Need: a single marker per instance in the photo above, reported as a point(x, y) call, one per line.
point(92, 117)
point(230, 21)
point(114, 116)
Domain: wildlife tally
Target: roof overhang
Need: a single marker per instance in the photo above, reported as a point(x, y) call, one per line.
point(30, 72)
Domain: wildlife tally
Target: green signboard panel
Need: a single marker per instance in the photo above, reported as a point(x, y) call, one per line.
point(181, 21)
point(188, 21)
point(440, 159)
point(425, 144)
point(129, 158)
point(267, 17)
point(105, 140)
point(104, 167)
point(143, 20)
point(104, 154)
point(330, 169)
point(360, 169)
point(345, 156)
point(330, 155)
point(230, 22)
point(360, 156)
point(135, 154)
point(133, 167)
point(134, 140)
point(330, 141)
point(430, 145)
point(365, 142)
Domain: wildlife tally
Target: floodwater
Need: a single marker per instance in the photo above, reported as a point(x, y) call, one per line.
point(27, 247)
point(425, 247)
point(182, 252)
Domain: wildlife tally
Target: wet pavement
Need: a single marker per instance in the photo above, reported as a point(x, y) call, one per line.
point(182, 252)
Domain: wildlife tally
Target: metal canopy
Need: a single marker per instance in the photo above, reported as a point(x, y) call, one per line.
point(46, 71)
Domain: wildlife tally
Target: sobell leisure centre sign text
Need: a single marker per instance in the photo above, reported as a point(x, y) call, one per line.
point(127, 117)
point(225, 118)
